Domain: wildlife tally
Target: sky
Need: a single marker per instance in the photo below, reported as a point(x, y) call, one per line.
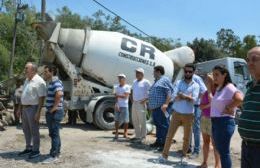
point(184, 19)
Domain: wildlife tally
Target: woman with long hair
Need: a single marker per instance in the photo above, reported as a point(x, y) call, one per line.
point(206, 122)
point(223, 107)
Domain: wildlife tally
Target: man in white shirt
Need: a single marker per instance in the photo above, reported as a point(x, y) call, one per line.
point(32, 100)
point(122, 92)
point(140, 90)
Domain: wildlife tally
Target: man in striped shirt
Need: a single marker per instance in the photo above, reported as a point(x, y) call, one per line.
point(249, 121)
point(54, 113)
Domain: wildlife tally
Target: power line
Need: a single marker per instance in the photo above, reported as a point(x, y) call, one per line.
point(121, 18)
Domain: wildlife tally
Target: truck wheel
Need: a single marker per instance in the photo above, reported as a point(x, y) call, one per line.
point(83, 115)
point(104, 115)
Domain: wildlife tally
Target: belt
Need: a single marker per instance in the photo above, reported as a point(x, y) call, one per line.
point(27, 106)
point(252, 144)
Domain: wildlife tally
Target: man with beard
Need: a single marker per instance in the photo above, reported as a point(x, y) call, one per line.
point(185, 94)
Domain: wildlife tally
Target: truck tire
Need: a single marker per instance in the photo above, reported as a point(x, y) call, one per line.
point(83, 115)
point(104, 115)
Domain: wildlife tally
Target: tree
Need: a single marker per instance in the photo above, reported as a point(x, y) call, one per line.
point(228, 42)
point(69, 19)
point(249, 41)
point(205, 50)
point(27, 48)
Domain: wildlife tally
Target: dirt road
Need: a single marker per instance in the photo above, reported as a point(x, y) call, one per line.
point(85, 146)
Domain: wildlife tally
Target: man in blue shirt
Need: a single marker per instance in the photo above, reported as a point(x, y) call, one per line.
point(159, 103)
point(197, 117)
point(55, 112)
point(184, 96)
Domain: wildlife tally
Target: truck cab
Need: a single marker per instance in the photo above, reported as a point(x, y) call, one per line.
point(237, 68)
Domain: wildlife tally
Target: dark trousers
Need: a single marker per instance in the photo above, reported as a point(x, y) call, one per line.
point(161, 123)
point(16, 116)
point(222, 130)
point(53, 122)
point(250, 156)
point(72, 117)
point(31, 128)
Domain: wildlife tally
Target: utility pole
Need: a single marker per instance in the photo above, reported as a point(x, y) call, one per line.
point(43, 18)
point(43, 11)
point(14, 42)
point(19, 16)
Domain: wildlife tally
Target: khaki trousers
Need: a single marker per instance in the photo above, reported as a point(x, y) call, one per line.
point(178, 119)
point(139, 119)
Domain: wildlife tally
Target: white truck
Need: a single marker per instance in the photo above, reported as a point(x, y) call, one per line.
point(237, 68)
point(90, 60)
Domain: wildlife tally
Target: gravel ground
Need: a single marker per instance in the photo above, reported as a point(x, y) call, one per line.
point(86, 146)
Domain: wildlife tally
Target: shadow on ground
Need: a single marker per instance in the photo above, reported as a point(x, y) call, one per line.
point(13, 155)
point(176, 164)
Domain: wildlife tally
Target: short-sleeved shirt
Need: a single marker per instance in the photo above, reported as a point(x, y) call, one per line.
point(159, 91)
point(141, 89)
point(121, 90)
point(249, 120)
point(185, 106)
point(53, 87)
point(32, 90)
point(202, 86)
point(221, 99)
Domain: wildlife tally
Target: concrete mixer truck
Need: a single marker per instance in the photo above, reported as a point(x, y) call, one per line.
point(89, 61)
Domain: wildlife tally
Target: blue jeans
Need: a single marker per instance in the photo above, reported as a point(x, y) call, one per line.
point(53, 122)
point(222, 130)
point(250, 156)
point(122, 116)
point(196, 129)
point(161, 123)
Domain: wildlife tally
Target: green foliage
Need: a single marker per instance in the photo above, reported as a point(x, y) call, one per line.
point(228, 42)
point(232, 46)
point(26, 49)
point(249, 41)
point(205, 50)
point(4, 60)
point(69, 19)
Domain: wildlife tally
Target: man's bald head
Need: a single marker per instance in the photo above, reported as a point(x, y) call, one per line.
point(255, 50)
point(253, 62)
point(30, 70)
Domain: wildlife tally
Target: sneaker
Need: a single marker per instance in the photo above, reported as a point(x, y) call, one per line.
point(160, 148)
point(34, 154)
point(162, 160)
point(134, 139)
point(25, 152)
point(50, 160)
point(184, 160)
point(115, 138)
point(194, 155)
point(155, 145)
point(189, 151)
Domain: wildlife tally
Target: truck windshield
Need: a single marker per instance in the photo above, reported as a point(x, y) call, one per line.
point(241, 69)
